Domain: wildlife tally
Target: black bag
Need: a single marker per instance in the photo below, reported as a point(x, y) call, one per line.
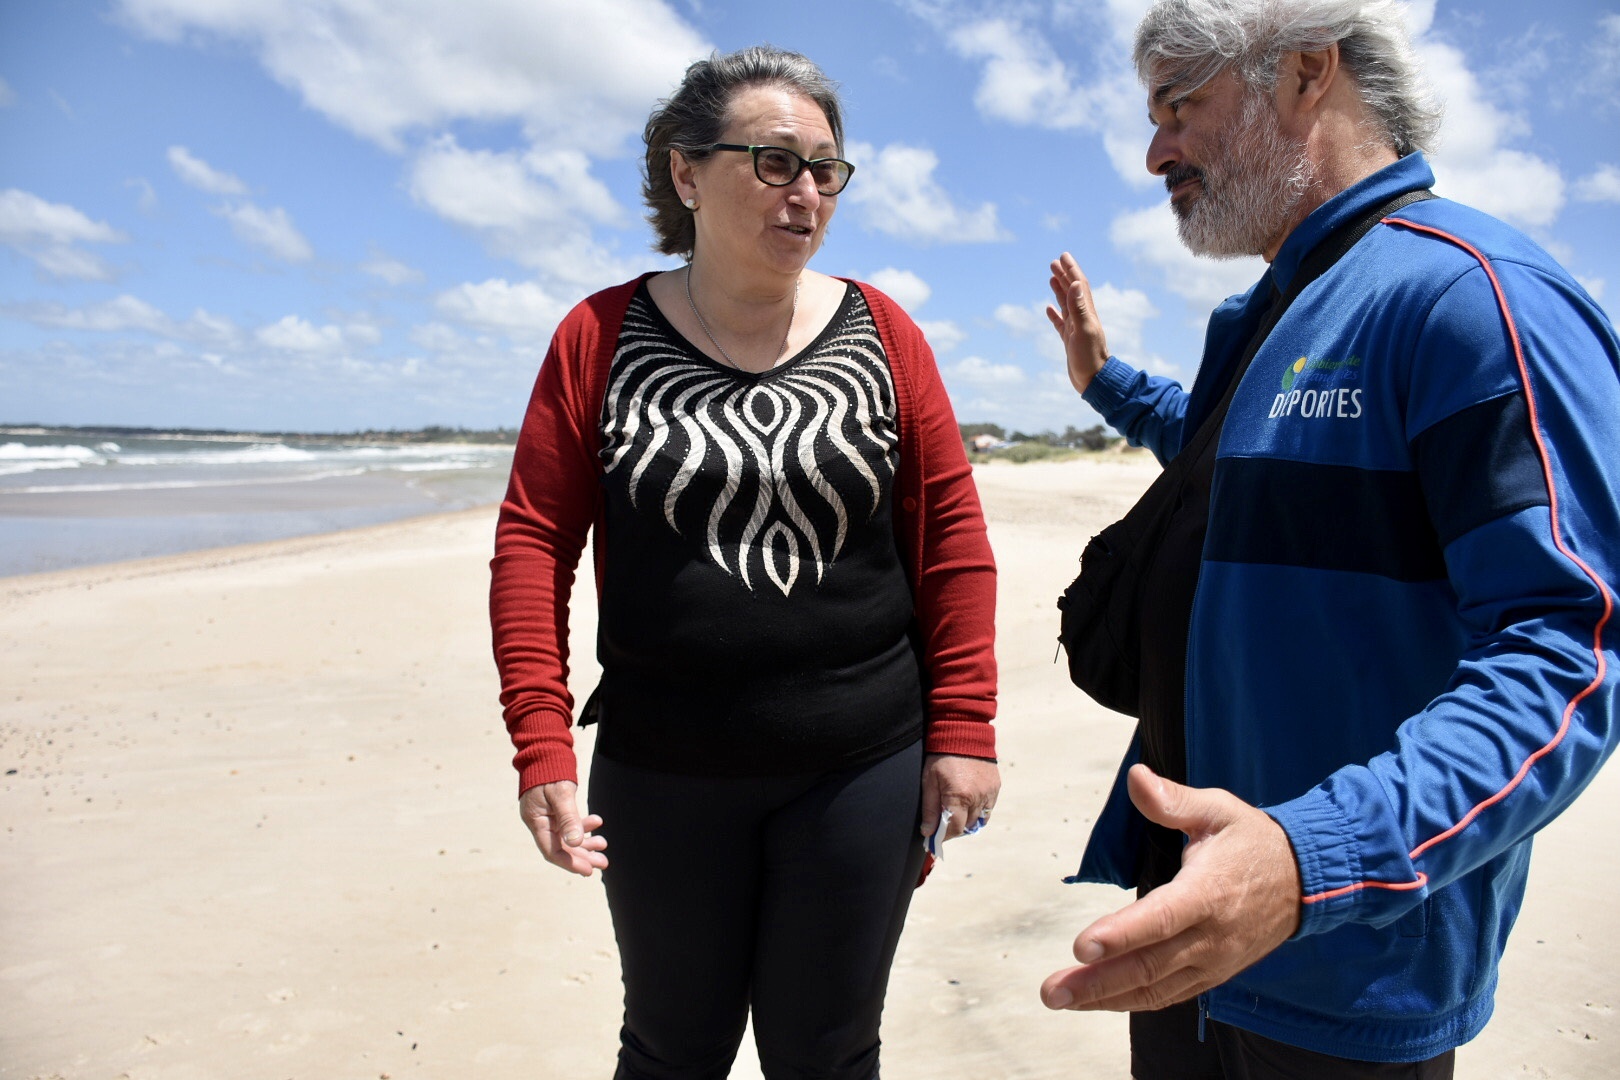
point(1100, 624)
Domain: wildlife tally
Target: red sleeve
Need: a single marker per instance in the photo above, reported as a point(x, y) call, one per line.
point(551, 502)
point(941, 531)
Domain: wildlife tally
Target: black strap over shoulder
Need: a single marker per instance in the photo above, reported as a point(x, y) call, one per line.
point(1321, 258)
point(1101, 622)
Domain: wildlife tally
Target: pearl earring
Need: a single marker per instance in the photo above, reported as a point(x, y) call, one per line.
point(691, 204)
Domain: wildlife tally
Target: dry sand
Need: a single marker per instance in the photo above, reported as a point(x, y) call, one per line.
point(261, 825)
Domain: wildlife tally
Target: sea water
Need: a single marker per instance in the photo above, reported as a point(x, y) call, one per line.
point(68, 500)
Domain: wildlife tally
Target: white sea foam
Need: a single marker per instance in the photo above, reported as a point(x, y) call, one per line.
point(16, 458)
point(256, 454)
point(155, 463)
point(167, 492)
point(19, 468)
point(177, 485)
point(14, 451)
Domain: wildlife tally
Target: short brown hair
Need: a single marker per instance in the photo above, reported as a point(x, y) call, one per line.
point(692, 118)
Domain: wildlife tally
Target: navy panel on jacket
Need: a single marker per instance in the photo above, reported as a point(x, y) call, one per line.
point(1328, 517)
point(1478, 465)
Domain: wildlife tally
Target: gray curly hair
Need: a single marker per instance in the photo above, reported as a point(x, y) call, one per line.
point(1186, 43)
point(694, 116)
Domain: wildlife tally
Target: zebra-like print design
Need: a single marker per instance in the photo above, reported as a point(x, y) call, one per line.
point(764, 474)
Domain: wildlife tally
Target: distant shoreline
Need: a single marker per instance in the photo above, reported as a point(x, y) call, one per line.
point(430, 434)
point(79, 496)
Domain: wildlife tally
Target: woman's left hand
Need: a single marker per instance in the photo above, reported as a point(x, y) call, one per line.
point(966, 786)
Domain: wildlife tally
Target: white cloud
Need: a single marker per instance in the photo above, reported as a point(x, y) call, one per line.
point(1419, 16)
point(1509, 184)
point(111, 316)
point(28, 219)
point(147, 200)
point(525, 308)
point(1593, 285)
point(71, 262)
point(48, 233)
point(480, 189)
point(1025, 320)
point(269, 229)
point(535, 208)
point(296, 335)
point(1124, 313)
point(361, 333)
point(510, 192)
point(1030, 321)
point(1471, 163)
point(1020, 400)
point(293, 334)
point(128, 313)
point(908, 290)
point(391, 270)
point(1122, 104)
point(272, 230)
point(1600, 78)
point(898, 195)
point(1023, 81)
point(572, 74)
point(1149, 237)
point(943, 335)
point(1602, 186)
point(437, 337)
point(197, 173)
point(576, 79)
point(976, 371)
point(206, 327)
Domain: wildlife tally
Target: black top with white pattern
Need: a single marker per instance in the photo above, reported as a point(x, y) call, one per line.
point(755, 616)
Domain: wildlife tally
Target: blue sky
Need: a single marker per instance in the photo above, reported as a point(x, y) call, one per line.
point(338, 214)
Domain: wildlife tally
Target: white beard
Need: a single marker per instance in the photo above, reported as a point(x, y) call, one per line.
point(1249, 190)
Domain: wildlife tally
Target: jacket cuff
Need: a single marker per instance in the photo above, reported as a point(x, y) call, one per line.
point(559, 765)
point(964, 738)
point(1323, 840)
point(1110, 388)
point(545, 749)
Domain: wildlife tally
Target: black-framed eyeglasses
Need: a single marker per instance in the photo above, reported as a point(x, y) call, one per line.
point(779, 167)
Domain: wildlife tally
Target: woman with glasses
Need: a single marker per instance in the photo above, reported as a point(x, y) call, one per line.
point(795, 598)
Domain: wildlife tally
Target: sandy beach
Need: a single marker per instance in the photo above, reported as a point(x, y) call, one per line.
point(259, 822)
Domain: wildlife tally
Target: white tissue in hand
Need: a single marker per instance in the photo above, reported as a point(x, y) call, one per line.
point(935, 843)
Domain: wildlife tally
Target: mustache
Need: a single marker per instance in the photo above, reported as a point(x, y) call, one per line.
point(1179, 174)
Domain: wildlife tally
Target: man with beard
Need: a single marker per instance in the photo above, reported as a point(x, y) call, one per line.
point(1376, 651)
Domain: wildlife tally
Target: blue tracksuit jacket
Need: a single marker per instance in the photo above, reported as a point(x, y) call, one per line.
point(1402, 640)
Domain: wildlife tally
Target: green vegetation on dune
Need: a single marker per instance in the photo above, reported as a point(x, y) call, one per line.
point(992, 442)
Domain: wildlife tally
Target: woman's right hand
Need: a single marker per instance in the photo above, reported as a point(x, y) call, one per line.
point(1074, 316)
point(549, 810)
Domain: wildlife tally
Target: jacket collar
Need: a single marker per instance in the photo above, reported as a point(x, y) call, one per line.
point(1410, 173)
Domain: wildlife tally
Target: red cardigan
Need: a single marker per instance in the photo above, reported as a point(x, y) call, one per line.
point(555, 496)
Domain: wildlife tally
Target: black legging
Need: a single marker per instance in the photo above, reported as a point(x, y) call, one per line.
point(786, 894)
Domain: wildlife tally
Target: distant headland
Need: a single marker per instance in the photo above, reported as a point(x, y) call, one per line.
point(431, 434)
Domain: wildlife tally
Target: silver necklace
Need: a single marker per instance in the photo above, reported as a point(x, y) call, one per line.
point(794, 310)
